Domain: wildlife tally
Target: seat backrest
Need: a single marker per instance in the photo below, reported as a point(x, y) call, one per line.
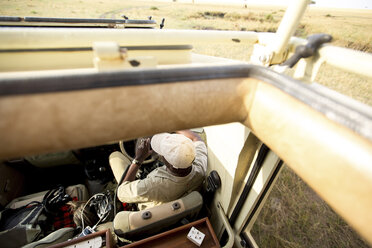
point(55, 237)
point(135, 225)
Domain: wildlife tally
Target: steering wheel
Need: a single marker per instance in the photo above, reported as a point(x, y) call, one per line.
point(154, 156)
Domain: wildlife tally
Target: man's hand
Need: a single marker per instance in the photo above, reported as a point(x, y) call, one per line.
point(190, 134)
point(143, 150)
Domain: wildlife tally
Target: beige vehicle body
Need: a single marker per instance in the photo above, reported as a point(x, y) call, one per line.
point(66, 88)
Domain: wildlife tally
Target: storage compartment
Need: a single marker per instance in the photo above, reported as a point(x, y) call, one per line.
point(178, 237)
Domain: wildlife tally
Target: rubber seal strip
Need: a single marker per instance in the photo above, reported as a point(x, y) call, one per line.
point(339, 110)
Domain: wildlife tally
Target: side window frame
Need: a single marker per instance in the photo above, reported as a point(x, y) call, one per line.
point(246, 239)
point(259, 182)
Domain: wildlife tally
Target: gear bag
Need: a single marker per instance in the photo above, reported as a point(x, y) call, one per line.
point(20, 226)
point(28, 223)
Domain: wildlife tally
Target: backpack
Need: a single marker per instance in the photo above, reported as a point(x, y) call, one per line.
point(20, 226)
point(29, 223)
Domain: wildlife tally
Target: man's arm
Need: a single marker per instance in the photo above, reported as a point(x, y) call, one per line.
point(142, 152)
point(190, 134)
point(201, 157)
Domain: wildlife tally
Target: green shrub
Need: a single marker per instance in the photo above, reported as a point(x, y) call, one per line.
point(218, 14)
point(236, 16)
point(269, 17)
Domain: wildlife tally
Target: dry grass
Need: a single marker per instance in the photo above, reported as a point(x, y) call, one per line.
point(294, 216)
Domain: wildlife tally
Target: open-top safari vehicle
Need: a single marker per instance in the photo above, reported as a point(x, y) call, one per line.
point(71, 89)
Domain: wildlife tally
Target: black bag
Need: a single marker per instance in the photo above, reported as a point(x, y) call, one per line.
point(29, 223)
point(20, 226)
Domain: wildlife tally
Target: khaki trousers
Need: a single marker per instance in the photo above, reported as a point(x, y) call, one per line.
point(118, 163)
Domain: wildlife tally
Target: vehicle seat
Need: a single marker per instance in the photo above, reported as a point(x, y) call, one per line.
point(135, 225)
point(55, 237)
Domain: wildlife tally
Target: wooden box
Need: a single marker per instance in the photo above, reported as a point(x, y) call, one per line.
point(177, 237)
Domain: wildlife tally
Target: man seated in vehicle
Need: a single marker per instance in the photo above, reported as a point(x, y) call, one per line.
point(184, 155)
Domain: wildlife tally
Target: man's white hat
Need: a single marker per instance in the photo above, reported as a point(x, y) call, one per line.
point(177, 149)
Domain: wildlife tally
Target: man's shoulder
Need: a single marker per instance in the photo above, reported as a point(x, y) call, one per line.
point(159, 175)
point(158, 172)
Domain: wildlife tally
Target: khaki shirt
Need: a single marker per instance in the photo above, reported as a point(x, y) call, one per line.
point(161, 186)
